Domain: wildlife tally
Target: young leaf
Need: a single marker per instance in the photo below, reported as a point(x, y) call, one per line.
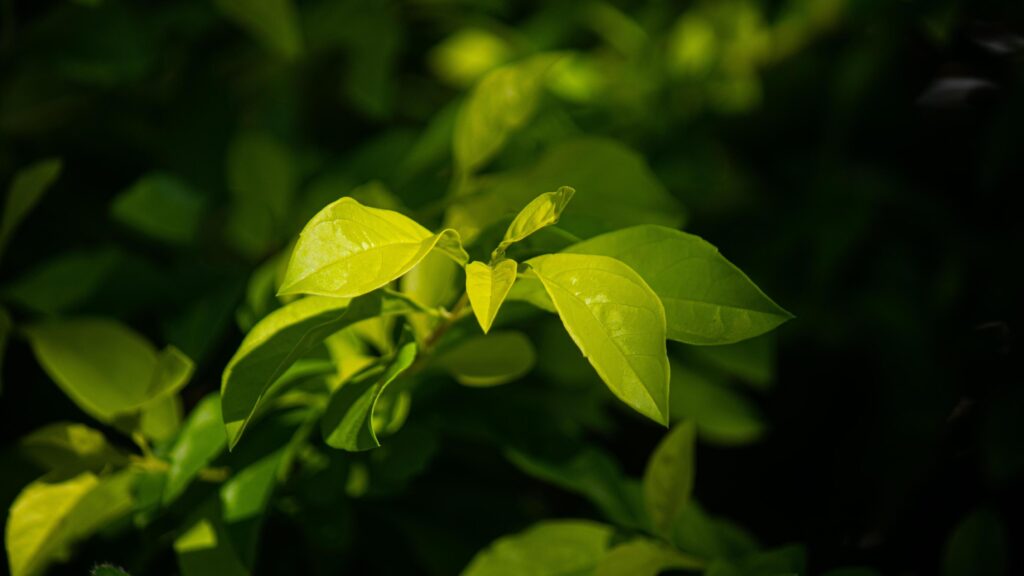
point(201, 439)
point(707, 299)
point(668, 479)
point(616, 321)
point(500, 104)
point(487, 286)
point(490, 360)
point(160, 206)
point(347, 423)
point(554, 548)
point(25, 191)
point(277, 341)
point(53, 513)
point(644, 557)
point(105, 367)
point(348, 249)
point(541, 212)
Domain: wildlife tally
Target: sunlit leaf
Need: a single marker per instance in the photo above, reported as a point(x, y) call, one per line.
point(201, 439)
point(531, 290)
point(432, 283)
point(668, 479)
point(644, 557)
point(23, 193)
point(551, 548)
point(617, 322)
point(349, 249)
point(707, 299)
point(490, 360)
point(487, 287)
point(160, 206)
point(204, 549)
point(541, 212)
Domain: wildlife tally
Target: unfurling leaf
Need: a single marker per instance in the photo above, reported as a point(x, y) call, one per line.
point(668, 479)
point(487, 287)
point(348, 249)
point(541, 212)
point(617, 322)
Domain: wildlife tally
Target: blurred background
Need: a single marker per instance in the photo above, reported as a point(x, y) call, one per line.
point(857, 159)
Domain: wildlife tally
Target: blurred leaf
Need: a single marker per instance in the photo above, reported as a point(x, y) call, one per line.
point(490, 360)
point(594, 475)
point(65, 282)
point(531, 290)
point(24, 192)
point(204, 549)
point(668, 479)
point(161, 418)
point(262, 181)
point(976, 547)
point(707, 299)
point(786, 560)
point(108, 570)
point(721, 415)
point(468, 54)
point(752, 360)
point(541, 212)
point(53, 513)
point(202, 438)
point(551, 548)
point(698, 533)
point(432, 283)
point(349, 249)
point(245, 496)
point(160, 206)
point(71, 448)
point(350, 354)
point(616, 321)
point(487, 287)
point(502, 102)
point(644, 557)
point(348, 422)
point(852, 572)
point(106, 368)
point(272, 22)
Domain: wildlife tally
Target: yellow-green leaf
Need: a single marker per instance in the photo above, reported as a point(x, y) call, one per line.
point(550, 548)
point(24, 192)
point(71, 448)
point(541, 212)
point(668, 479)
point(201, 439)
point(348, 249)
point(490, 360)
point(644, 557)
point(617, 322)
point(487, 286)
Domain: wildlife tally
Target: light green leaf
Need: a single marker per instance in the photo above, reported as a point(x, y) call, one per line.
point(594, 475)
point(707, 299)
point(71, 448)
point(105, 367)
point(490, 360)
point(262, 183)
point(245, 496)
point(530, 289)
point(201, 439)
point(272, 22)
point(277, 341)
point(487, 288)
point(541, 212)
point(160, 206)
point(500, 104)
point(468, 54)
point(161, 418)
point(668, 479)
point(205, 549)
point(551, 548)
point(25, 191)
point(644, 557)
point(62, 283)
point(721, 414)
point(53, 513)
point(348, 249)
point(432, 283)
point(348, 422)
point(614, 187)
point(977, 547)
point(617, 321)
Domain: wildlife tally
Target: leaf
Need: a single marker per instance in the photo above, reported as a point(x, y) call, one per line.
point(788, 560)
point(468, 54)
point(550, 548)
point(432, 283)
point(696, 532)
point(752, 360)
point(348, 249)
point(618, 323)
point(644, 557)
point(161, 418)
point(25, 191)
point(502, 102)
point(161, 207)
point(497, 358)
point(614, 187)
point(201, 439)
point(977, 547)
point(707, 299)
point(592, 474)
point(53, 513)
point(347, 423)
point(487, 288)
point(530, 289)
point(65, 282)
point(71, 448)
point(668, 479)
point(105, 367)
point(108, 570)
point(262, 183)
point(277, 341)
point(272, 22)
point(350, 353)
point(541, 212)
point(721, 415)
point(205, 549)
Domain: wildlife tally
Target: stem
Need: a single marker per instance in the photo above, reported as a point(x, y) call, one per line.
point(434, 337)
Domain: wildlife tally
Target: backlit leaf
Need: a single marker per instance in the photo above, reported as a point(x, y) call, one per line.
point(541, 212)
point(487, 287)
point(25, 191)
point(490, 360)
point(551, 548)
point(668, 479)
point(617, 322)
point(707, 299)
